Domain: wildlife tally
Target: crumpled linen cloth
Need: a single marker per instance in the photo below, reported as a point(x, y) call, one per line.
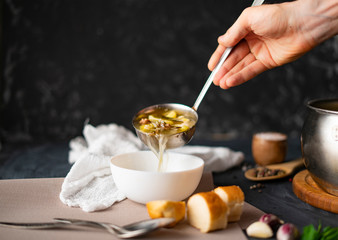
point(89, 183)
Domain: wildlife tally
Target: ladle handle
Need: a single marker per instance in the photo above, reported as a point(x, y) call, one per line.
point(218, 66)
point(211, 78)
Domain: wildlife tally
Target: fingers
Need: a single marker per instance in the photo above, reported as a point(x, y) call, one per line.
point(238, 53)
point(253, 67)
point(242, 64)
point(215, 57)
point(235, 34)
point(245, 61)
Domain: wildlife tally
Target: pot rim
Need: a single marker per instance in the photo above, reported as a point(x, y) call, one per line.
point(313, 104)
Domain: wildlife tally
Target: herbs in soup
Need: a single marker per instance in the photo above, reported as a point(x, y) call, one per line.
point(161, 123)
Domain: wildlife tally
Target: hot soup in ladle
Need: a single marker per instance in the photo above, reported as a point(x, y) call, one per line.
point(165, 126)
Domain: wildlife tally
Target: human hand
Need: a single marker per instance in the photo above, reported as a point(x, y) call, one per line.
point(272, 35)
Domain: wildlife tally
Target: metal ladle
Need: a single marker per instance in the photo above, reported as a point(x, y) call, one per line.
point(182, 138)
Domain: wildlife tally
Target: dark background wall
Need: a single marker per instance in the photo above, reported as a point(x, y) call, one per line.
point(67, 62)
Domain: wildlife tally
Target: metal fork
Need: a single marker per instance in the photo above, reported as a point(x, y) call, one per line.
point(127, 231)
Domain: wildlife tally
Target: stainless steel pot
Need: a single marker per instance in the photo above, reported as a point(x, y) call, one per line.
point(319, 141)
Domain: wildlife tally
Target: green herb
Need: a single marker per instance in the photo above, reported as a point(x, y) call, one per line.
point(311, 233)
point(330, 233)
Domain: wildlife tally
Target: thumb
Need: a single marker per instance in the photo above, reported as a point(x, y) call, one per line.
point(237, 31)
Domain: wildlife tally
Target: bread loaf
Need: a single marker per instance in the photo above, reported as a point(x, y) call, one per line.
point(168, 209)
point(207, 212)
point(233, 196)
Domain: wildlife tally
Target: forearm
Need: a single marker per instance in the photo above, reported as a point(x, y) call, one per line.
point(317, 18)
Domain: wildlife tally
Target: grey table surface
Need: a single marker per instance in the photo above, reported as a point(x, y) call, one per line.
point(46, 160)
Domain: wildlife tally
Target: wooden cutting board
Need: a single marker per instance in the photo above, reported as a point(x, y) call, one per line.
point(308, 191)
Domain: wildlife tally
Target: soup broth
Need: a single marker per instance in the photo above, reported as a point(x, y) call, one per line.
point(162, 123)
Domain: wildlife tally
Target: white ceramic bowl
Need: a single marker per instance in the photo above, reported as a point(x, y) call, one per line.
point(136, 175)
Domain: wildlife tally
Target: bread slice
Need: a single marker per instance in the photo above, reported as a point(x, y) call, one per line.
point(207, 212)
point(233, 196)
point(168, 209)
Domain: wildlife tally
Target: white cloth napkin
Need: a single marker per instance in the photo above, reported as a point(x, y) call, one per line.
point(89, 183)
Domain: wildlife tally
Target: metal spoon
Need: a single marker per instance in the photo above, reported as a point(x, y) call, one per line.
point(127, 231)
point(287, 167)
point(182, 138)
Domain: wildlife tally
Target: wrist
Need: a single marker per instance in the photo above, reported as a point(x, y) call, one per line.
point(317, 17)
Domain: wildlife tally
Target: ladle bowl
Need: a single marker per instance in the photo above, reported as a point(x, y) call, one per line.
point(175, 140)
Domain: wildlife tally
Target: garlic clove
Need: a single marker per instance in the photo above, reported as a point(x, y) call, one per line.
point(259, 230)
point(272, 220)
point(287, 231)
